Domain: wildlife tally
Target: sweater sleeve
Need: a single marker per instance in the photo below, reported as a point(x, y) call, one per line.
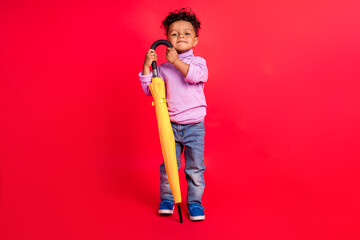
point(145, 81)
point(198, 71)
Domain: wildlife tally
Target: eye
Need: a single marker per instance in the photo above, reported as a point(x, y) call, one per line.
point(174, 34)
point(187, 33)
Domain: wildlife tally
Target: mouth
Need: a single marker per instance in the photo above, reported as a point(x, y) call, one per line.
point(181, 42)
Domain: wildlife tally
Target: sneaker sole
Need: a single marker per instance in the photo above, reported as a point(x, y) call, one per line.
point(197, 218)
point(166, 211)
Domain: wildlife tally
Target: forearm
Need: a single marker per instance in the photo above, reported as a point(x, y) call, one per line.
point(146, 70)
point(181, 66)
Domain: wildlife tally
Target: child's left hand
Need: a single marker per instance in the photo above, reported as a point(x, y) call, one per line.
point(171, 55)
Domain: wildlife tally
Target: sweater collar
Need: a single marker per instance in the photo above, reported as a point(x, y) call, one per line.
point(186, 54)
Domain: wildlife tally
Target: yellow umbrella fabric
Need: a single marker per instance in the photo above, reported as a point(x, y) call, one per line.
point(166, 134)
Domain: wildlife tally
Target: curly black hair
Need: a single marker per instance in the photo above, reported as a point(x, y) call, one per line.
point(181, 15)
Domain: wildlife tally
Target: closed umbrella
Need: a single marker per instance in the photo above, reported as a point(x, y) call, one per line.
point(167, 140)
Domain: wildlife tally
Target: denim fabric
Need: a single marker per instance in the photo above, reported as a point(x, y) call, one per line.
point(190, 139)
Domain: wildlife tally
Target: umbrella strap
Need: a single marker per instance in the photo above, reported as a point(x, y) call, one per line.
point(162, 100)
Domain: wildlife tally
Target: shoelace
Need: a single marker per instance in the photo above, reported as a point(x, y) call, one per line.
point(165, 202)
point(191, 207)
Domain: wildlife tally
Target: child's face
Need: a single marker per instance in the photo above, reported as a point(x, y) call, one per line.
point(181, 35)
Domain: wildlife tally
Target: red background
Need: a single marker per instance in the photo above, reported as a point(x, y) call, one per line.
point(79, 146)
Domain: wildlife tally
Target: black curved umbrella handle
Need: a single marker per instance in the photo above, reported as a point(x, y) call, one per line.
point(153, 46)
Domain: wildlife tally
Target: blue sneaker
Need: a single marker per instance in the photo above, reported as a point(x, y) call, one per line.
point(166, 207)
point(196, 212)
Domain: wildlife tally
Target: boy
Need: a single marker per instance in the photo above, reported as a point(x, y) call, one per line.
point(184, 76)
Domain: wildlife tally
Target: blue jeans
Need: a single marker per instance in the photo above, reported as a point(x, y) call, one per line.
point(190, 138)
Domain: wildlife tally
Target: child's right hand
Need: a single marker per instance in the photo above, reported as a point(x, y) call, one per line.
point(149, 58)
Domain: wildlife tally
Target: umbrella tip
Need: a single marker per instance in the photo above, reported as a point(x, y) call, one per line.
point(179, 211)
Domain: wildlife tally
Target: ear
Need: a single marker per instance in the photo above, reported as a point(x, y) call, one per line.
point(196, 41)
